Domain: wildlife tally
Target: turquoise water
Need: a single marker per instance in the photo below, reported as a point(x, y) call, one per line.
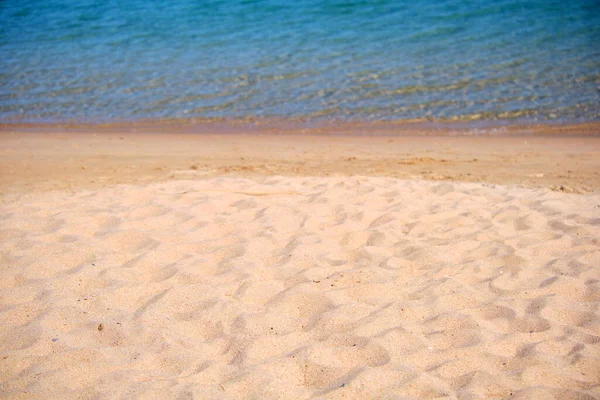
point(98, 61)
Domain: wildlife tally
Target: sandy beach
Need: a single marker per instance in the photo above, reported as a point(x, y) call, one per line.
point(177, 265)
point(41, 158)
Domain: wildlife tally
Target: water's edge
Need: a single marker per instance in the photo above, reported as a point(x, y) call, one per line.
point(260, 126)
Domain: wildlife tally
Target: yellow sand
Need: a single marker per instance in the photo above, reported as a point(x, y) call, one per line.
point(300, 287)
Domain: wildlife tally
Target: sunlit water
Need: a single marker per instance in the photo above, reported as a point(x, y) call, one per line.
point(112, 60)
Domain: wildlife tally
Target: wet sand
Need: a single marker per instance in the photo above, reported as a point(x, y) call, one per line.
point(91, 158)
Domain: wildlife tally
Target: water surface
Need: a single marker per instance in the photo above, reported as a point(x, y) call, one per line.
point(97, 61)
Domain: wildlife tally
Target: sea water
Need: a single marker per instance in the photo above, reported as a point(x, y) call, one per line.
point(102, 61)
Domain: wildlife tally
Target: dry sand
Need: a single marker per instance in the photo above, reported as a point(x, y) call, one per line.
point(207, 283)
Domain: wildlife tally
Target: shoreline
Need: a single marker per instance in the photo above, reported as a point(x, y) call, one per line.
point(270, 126)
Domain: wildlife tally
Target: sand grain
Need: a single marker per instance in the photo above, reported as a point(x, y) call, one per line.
point(354, 287)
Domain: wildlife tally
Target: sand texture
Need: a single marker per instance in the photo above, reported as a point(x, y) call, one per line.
point(303, 287)
point(40, 161)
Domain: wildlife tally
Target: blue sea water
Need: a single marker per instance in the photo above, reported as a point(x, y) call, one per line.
point(99, 61)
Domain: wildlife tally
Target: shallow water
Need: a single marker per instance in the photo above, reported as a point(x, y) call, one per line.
point(96, 61)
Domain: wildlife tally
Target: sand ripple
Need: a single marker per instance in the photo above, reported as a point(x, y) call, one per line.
point(301, 287)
